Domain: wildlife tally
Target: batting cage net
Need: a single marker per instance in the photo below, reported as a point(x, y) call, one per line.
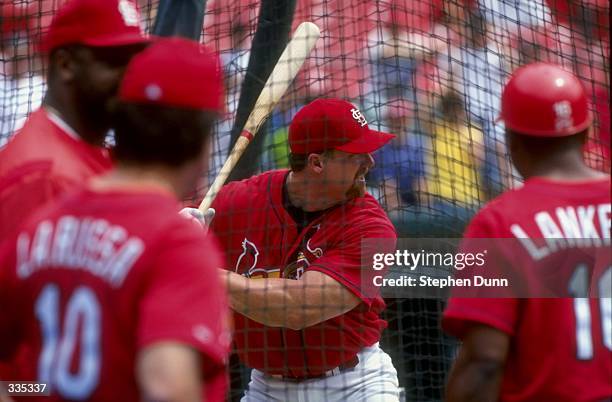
point(429, 71)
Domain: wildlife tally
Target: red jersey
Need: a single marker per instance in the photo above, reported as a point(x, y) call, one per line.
point(261, 239)
point(93, 279)
point(561, 349)
point(42, 161)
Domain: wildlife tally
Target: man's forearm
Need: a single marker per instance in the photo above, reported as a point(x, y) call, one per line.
point(474, 381)
point(267, 301)
point(289, 303)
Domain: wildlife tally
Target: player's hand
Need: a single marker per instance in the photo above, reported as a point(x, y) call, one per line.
point(203, 220)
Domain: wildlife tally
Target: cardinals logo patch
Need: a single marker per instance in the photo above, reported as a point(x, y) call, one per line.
point(246, 264)
point(248, 259)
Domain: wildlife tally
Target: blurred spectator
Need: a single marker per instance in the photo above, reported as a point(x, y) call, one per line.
point(276, 146)
point(394, 61)
point(591, 17)
point(398, 43)
point(549, 43)
point(21, 83)
point(399, 165)
point(594, 72)
point(452, 183)
point(478, 73)
point(235, 62)
point(508, 16)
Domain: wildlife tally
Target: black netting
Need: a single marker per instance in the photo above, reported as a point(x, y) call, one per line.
point(429, 71)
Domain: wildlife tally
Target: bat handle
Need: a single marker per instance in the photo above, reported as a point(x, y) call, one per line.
point(239, 148)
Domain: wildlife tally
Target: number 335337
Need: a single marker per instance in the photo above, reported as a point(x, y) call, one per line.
point(24, 388)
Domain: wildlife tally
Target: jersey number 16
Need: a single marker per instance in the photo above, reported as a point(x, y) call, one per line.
point(579, 288)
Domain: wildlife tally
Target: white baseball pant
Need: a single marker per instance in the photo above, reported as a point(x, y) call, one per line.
point(374, 379)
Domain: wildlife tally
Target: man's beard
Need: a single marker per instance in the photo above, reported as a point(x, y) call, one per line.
point(94, 108)
point(95, 112)
point(358, 189)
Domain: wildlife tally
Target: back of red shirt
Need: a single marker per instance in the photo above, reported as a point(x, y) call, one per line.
point(561, 349)
point(90, 281)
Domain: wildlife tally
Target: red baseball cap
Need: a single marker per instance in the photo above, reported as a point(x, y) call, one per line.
point(175, 72)
point(545, 100)
point(96, 23)
point(333, 124)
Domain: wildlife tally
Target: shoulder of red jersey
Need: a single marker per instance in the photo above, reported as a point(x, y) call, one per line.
point(489, 219)
point(241, 194)
point(150, 223)
point(535, 195)
point(41, 140)
point(365, 211)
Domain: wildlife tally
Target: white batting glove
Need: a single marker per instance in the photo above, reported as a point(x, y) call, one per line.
point(203, 220)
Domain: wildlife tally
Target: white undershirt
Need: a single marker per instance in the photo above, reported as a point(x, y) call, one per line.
point(58, 121)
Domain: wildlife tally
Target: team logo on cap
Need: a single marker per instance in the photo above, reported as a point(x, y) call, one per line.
point(128, 13)
point(563, 115)
point(357, 115)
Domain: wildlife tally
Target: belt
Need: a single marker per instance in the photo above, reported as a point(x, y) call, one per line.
point(349, 365)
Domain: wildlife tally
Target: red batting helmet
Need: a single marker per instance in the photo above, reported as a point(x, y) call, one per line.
point(544, 100)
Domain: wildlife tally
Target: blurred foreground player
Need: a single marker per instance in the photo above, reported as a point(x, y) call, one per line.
point(294, 267)
point(541, 349)
point(88, 45)
point(115, 293)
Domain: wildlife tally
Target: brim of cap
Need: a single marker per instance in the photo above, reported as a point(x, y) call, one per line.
point(369, 142)
point(118, 40)
point(127, 39)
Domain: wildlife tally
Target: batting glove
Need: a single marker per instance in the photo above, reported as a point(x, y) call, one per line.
point(203, 220)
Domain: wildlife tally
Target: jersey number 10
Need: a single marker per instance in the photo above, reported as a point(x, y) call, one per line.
point(58, 347)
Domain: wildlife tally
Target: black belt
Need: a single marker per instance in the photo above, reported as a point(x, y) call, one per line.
point(349, 365)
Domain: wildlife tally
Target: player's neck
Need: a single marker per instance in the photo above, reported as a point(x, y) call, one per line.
point(139, 179)
point(66, 111)
point(567, 167)
point(304, 194)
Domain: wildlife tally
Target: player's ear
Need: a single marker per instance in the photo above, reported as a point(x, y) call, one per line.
point(316, 162)
point(63, 65)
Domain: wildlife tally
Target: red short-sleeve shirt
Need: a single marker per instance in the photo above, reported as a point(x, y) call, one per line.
point(561, 349)
point(90, 281)
point(42, 161)
point(261, 239)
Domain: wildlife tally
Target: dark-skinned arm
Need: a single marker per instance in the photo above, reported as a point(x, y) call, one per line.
point(478, 370)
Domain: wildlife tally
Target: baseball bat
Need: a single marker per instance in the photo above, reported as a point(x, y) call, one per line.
point(284, 72)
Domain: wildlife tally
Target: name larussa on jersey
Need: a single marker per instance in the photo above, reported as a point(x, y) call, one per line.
point(94, 245)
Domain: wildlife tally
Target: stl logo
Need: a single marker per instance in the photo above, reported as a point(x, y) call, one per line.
point(129, 13)
point(563, 115)
point(357, 115)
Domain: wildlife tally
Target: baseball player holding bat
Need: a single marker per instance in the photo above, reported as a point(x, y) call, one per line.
point(116, 296)
point(535, 349)
point(294, 269)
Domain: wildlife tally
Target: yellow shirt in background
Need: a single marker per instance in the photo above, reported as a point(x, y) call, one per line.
point(453, 169)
